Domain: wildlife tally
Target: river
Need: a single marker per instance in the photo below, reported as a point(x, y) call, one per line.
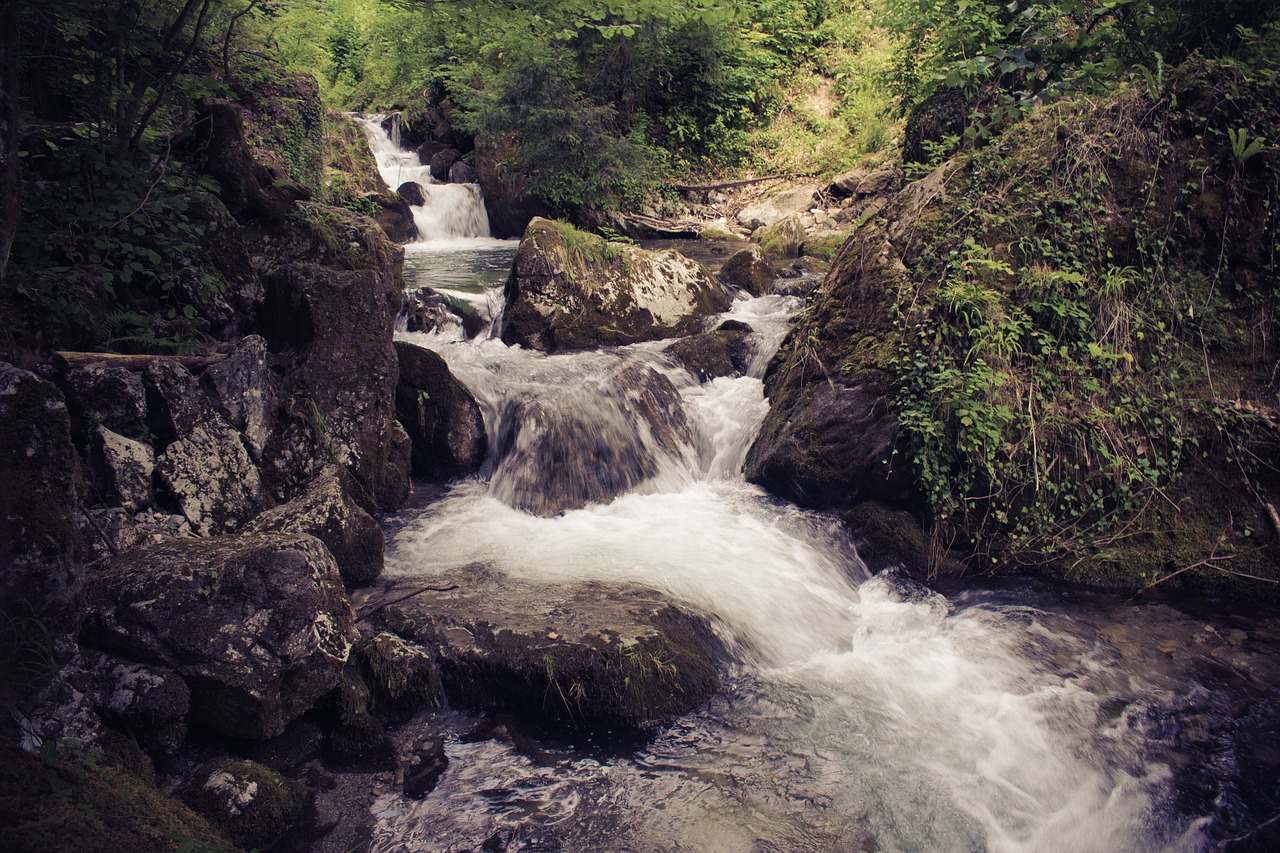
point(865, 712)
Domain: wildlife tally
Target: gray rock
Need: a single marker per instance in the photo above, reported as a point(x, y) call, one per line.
point(326, 512)
point(425, 310)
point(213, 478)
point(879, 181)
point(442, 162)
point(258, 626)
point(723, 352)
point(782, 239)
point(747, 270)
point(778, 206)
point(99, 394)
point(411, 191)
point(251, 804)
point(40, 492)
point(152, 701)
point(844, 185)
point(586, 655)
point(462, 173)
point(569, 290)
point(244, 387)
point(440, 415)
point(127, 466)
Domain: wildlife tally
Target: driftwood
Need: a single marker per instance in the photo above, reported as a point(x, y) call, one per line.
point(69, 360)
point(697, 188)
point(661, 228)
point(384, 605)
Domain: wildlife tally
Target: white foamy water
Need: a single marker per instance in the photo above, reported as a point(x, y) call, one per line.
point(867, 708)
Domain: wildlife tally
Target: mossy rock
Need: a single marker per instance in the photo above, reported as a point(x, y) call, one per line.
point(714, 233)
point(401, 676)
point(781, 239)
point(823, 248)
point(249, 803)
point(55, 804)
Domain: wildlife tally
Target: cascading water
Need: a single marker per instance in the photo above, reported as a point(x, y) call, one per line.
point(451, 212)
point(867, 713)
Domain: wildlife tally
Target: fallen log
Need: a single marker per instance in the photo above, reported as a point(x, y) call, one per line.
point(695, 188)
point(69, 360)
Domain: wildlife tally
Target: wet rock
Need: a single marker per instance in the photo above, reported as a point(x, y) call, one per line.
point(778, 206)
point(411, 191)
point(40, 542)
point(583, 446)
point(401, 676)
point(426, 310)
point(442, 418)
point(394, 217)
point(258, 626)
point(302, 741)
point(244, 386)
point(442, 162)
point(252, 805)
point(100, 394)
point(356, 738)
point(569, 290)
point(430, 149)
point(213, 478)
point(150, 701)
point(325, 510)
point(511, 207)
point(126, 467)
point(747, 270)
point(426, 766)
point(782, 239)
point(722, 352)
point(583, 655)
point(461, 172)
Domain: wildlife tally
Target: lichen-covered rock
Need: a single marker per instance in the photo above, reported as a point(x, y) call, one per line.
point(252, 805)
point(325, 511)
point(582, 446)
point(150, 701)
point(778, 206)
point(747, 270)
point(570, 290)
point(213, 478)
point(586, 655)
point(243, 383)
point(126, 467)
point(332, 302)
point(40, 494)
point(100, 394)
point(439, 413)
point(258, 626)
point(782, 239)
point(401, 676)
point(722, 352)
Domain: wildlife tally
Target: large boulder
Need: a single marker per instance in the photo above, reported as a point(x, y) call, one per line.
point(782, 239)
point(324, 510)
point(591, 443)
point(511, 208)
point(332, 299)
point(441, 417)
point(40, 542)
point(748, 270)
point(570, 290)
point(587, 655)
point(726, 351)
point(778, 206)
point(245, 387)
point(107, 395)
point(394, 217)
point(442, 162)
point(124, 468)
point(462, 172)
point(213, 478)
point(411, 191)
point(258, 626)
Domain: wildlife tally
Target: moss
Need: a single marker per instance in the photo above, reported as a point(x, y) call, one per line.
point(252, 805)
point(402, 677)
point(823, 248)
point(57, 804)
point(713, 233)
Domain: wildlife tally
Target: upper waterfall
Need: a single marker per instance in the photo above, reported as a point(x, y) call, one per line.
point(451, 211)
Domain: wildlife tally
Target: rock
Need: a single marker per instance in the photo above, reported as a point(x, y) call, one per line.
point(425, 310)
point(442, 162)
point(585, 655)
point(411, 191)
point(150, 701)
point(747, 270)
point(213, 478)
point(126, 468)
point(356, 737)
point(441, 417)
point(723, 352)
point(100, 394)
point(880, 181)
point(332, 301)
point(569, 290)
point(845, 184)
point(244, 386)
point(510, 207)
point(258, 626)
point(782, 239)
point(252, 805)
point(394, 217)
point(718, 232)
point(461, 172)
point(325, 511)
point(428, 150)
point(401, 676)
point(175, 403)
point(426, 767)
point(583, 446)
point(778, 206)
point(822, 248)
point(831, 436)
point(41, 547)
point(302, 741)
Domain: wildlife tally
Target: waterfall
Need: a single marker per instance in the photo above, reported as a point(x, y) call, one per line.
point(865, 708)
point(451, 211)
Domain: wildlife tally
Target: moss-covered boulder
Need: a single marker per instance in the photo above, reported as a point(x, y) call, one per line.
point(748, 271)
point(254, 806)
point(590, 655)
point(781, 239)
point(570, 290)
point(259, 626)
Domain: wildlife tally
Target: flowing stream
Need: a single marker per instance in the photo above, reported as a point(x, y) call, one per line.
point(867, 713)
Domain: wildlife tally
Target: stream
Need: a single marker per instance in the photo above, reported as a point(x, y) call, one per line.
point(865, 712)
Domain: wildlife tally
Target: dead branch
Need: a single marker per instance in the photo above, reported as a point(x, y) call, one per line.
point(696, 188)
point(384, 605)
point(70, 360)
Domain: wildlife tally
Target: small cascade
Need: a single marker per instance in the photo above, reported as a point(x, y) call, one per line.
point(450, 211)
